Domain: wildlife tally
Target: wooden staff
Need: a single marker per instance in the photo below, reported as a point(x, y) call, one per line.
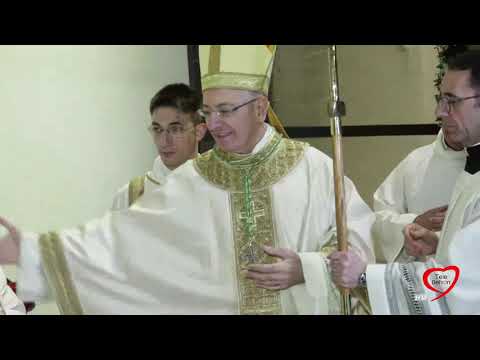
point(336, 111)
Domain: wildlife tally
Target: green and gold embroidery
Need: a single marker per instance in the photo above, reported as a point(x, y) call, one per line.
point(249, 179)
point(248, 250)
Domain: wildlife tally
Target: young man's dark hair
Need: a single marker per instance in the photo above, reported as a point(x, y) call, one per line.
point(178, 96)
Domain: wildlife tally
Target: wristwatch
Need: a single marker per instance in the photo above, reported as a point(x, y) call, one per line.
point(362, 281)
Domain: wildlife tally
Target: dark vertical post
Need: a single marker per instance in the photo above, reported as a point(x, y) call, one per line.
point(194, 67)
point(195, 78)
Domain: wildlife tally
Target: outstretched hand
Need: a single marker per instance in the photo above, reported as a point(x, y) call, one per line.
point(9, 244)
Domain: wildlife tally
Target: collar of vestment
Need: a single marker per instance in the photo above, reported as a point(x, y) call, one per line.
point(265, 167)
point(159, 170)
point(473, 160)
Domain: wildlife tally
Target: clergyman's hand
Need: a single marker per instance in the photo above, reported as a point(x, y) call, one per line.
point(281, 275)
point(346, 268)
point(419, 241)
point(432, 219)
point(9, 244)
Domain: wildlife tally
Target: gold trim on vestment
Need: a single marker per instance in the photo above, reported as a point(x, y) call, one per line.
point(58, 275)
point(219, 168)
point(152, 179)
point(136, 188)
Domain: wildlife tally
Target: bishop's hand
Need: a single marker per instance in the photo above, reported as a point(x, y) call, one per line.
point(346, 268)
point(281, 275)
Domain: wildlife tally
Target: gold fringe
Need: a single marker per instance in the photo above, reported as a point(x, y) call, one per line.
point(276, 123)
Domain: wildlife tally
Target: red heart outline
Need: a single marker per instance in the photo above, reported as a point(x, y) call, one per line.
point(427, 273)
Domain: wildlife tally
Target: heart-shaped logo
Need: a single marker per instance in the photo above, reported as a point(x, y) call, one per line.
point(439, 282)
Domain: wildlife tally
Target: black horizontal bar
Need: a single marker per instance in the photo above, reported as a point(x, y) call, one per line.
point(363, 130)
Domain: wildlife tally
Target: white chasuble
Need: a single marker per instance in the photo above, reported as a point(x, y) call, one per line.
point(182, 247)
point(424, 180)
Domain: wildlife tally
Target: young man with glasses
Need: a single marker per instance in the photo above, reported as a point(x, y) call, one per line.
point(242, 229)
point(177, 130)
point(400, 288)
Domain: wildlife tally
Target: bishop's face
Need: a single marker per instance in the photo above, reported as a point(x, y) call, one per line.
point(460, 120)
point(235, 118)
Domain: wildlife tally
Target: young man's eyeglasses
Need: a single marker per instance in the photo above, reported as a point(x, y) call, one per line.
point(174, 130)
point(223, 113)
point(448, 102)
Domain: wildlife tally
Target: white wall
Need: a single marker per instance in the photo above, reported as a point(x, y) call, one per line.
point(73, 125)
point(388, 84)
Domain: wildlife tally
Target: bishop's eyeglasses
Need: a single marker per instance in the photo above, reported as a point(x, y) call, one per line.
point(223, 113)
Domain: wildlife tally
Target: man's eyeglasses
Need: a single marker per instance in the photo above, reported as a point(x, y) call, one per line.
point(223, 113)
point(175, 130)
point(448, 102)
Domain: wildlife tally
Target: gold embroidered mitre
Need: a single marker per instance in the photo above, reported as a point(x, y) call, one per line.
point(241, 67)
